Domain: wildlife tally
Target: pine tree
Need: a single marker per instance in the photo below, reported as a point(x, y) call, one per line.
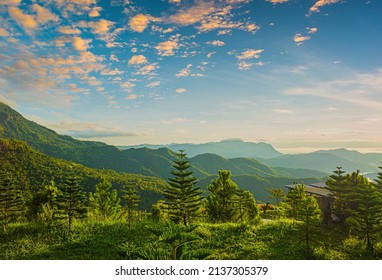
point(337, 185)
point(378, 181)
point(220, 203)
point(310, 215)
point(70, 202)
point(104, 203)
point(304, 209)
point(11, 201)
point(276, 194)
point(293, 201)
point(366, 219)
point(245, 207)
point(183, 200)
point(132, 200)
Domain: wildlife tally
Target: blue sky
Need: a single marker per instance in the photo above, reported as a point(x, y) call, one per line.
point(299, 74)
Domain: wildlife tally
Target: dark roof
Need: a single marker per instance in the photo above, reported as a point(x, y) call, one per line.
point(316, 189)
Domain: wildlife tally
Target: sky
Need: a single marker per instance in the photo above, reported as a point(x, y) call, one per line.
point(301, 75)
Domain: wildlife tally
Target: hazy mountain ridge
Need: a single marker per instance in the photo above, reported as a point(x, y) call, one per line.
point(225, 148)
point(328, 160)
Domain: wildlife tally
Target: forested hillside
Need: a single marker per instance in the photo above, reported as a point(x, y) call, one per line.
point(33, 171)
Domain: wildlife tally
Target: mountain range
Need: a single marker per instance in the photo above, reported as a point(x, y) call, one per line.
point(230, 148)
point(255, 166)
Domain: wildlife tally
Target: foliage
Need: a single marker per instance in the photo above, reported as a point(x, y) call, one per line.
point(11, 201)
point(183, 200)
point(171, 243)
point(366, 218)
point(293, 202)
point(70, 202)
point(132, 200)
point(33, 171)
point(104, 203)
point(378, 180)
point(277, 194)
point(246, 208)
point(304, 209)
point(336, 184)
point(220, 203)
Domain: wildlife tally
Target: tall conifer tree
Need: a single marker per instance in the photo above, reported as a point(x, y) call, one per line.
point(378, 181)
point(11, 201)
point(71, 202)
point(221, 202)
point(337, 185)
point(132, 200)
point(104, 203)
point(366, 218)
point(183, 200)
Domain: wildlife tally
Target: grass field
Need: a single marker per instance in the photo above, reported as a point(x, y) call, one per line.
point(92, 240)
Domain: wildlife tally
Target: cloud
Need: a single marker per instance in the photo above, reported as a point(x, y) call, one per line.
point(67, 30)
point(10, 2)
point(252, 27)
point(137, 59)
point(185, 71)
point(312, 30)
point(147, 70)
point(277, 1)
point(140, 22)
point(127, 85)
point(282, 111)
point(80, 44)
point(87, 130)
point(209, 55)
point(216, 43)
point(3, 32)
point(180, 90)
point(243, 65)
point(26, 21)
point(43, 14)
point(167, 48)
point(111, 72)
point(113, 57)
point(154, 84)
point(175, 1)
point(131, 97)
point(300, 39)
point(321, 3)
point(76, 7)
point(361, 90)
point(249, 54)
point(95, 12)
point(100, 27)
point(193, 14)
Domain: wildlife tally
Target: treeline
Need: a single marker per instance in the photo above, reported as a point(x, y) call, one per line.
point(183, 202)
point(357, 203)
point(356, 209)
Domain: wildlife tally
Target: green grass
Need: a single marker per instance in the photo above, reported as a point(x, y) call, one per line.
point(277, 240)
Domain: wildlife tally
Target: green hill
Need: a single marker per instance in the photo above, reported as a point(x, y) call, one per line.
point(33, 170)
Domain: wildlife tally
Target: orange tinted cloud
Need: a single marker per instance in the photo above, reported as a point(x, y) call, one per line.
point(25, 20)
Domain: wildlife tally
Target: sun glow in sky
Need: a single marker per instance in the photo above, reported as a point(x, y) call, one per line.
point(298, 74)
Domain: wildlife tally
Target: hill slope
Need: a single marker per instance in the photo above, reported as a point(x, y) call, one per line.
point(33, 170)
